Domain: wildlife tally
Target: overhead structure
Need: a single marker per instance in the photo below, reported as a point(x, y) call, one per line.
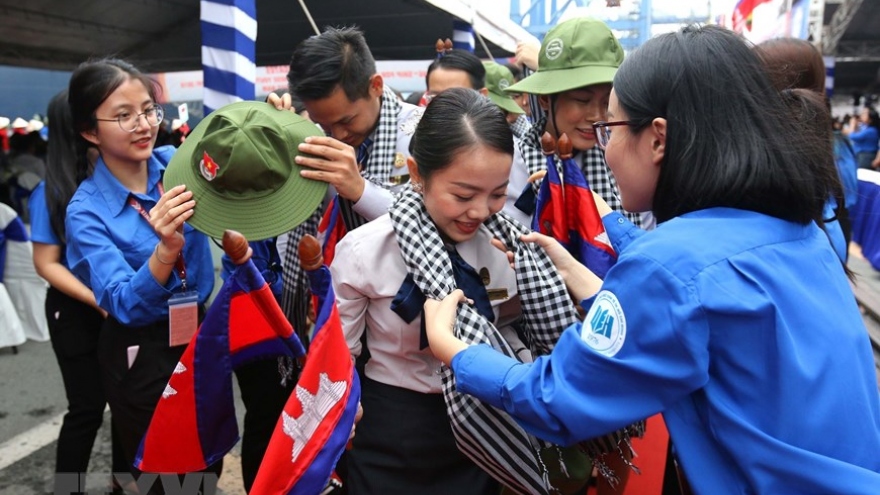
point(852, 37)
point(840, 19)
point(164, 35)
point(631, 21)
point(845, 29)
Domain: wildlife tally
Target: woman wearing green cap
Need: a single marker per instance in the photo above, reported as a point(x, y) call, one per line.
point(576, 64)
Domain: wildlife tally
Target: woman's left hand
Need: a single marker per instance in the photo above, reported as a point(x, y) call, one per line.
point(169, 214)
point(440, 323)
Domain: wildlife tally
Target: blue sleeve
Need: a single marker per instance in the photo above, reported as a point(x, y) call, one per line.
point(132, 296)
point(41, 227)
point(865, 138)
point(267, 260)
point(621, 231)
point(643, 346)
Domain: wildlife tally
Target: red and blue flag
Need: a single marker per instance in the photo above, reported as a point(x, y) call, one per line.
point(314, 427)
point(550, 215)
point(331, 230)
point(194, 423)
point(566, 211)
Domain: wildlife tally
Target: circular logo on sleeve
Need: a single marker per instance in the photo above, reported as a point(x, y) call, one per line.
point(604, 328)
point(553, 49)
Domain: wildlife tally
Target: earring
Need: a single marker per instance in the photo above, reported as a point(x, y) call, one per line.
point(417, 187)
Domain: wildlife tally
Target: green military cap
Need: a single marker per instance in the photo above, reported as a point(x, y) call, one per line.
point(498, 78)
point(239, 164)
point(576, 53)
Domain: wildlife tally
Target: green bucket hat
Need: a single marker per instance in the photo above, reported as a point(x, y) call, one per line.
point(239, 164)
point(499, 77)
point(577, 53)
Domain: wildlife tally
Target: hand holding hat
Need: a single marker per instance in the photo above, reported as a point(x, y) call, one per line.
point(239, 164)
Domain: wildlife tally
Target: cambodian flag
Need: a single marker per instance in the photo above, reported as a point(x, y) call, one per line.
point(549, 218)
point(588, 241)
point(314, 427)
point(568, 213)
point(194, 423)
point(331, 230)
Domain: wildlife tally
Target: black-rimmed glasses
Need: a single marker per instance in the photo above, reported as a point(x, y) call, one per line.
point(603, 131)
point(129, 122)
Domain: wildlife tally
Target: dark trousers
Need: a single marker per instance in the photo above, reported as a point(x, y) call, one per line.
point(74, 328)
point(264, 398)
point(404, 445)
point(134, 392)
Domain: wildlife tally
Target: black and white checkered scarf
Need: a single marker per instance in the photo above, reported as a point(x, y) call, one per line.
point(296, 297)
point(489, 436)
point(380, 162)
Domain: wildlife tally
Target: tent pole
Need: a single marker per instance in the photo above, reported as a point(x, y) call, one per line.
point(302, 4)
point(483, 43)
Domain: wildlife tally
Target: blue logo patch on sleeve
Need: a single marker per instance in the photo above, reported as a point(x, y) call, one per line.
point(604, 328)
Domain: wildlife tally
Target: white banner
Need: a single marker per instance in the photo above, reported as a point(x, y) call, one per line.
point(404, 76)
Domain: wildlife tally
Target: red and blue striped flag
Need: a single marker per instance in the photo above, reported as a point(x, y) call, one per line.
point(194, 423)
point(566, 211)
point(229, 38)
point(314, 427)
point(331, 230)
point(550, 215)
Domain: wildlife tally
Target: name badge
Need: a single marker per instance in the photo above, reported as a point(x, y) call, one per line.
point(497, 294)
point(183, 317)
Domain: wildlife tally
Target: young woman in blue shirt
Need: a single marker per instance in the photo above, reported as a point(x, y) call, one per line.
point(734, 318)
point(74, 317)
point(127, 240)
point(864, 133)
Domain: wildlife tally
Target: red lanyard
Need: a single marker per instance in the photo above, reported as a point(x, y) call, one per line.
point(179, 264)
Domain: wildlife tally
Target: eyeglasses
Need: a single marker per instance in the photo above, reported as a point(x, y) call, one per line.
point(603, 131)
point(129, 122)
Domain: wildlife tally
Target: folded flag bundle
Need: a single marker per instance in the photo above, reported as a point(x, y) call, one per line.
point(566, 211)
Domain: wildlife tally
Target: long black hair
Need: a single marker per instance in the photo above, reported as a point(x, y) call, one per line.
point(456, 120)
point(62, 174)
point(731, 140)
point(92, 83)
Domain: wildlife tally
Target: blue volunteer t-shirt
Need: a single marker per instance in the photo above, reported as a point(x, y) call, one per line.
point(742, 330)
point(41, 226)
point(109, 245)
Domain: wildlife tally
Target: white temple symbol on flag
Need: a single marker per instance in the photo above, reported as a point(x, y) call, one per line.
point(314, 410)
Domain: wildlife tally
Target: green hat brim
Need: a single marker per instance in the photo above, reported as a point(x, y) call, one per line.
point(506, 103)
point(548, 82)
point(258, 217)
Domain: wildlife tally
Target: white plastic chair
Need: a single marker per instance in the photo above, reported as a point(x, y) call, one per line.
point(24, 289)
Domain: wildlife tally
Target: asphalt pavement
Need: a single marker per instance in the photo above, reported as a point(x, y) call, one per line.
point(32, 404)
